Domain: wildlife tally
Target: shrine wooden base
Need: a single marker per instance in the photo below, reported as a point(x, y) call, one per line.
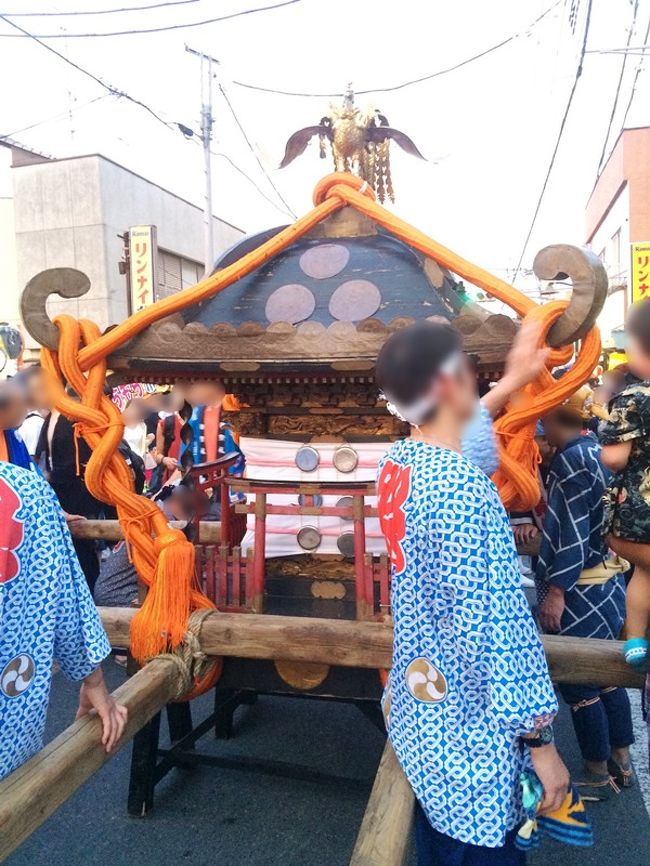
point(240, 684)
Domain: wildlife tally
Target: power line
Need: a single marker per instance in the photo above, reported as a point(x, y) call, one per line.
point(119, 93)
point(109, 87)
point(98, 11)
point(618, 89)
point(412, 81)
point(559, 137)
point(251, 181)
point(66, 35)
point(53, 117)
point(636, 77)
point(254, 152)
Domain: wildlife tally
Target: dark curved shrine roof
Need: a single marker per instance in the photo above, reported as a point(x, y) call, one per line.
point(326, 304)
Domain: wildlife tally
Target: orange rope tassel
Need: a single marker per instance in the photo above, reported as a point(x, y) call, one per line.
point(160, 623)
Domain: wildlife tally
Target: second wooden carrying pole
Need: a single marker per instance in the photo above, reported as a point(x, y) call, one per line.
point(34, 791)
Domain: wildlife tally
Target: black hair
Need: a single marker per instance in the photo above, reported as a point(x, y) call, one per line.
point(569, 419)
point(638, 323)
point(412, 357)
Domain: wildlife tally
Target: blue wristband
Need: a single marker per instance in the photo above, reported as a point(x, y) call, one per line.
point(635, 651)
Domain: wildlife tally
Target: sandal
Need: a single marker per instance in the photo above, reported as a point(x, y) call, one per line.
point(624, 776)
point(594, 787)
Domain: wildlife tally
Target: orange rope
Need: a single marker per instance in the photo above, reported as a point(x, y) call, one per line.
point(163, 556)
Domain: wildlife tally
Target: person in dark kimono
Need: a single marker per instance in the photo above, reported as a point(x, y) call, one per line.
point(60, 456)
point(581, 589)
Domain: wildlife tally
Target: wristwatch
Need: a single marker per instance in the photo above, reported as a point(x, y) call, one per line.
point(542, 737)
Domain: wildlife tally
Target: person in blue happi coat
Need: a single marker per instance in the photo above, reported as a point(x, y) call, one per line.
point(581, 589)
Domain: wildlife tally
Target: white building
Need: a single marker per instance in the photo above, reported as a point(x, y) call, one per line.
point(71, 213)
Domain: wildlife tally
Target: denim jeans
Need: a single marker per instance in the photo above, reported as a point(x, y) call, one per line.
point(436, 849)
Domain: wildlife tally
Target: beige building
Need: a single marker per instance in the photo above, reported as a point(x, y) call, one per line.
point(72, 213)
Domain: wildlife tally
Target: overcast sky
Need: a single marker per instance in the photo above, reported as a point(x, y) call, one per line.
point(487, 129)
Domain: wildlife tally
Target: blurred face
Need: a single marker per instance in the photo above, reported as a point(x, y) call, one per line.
point(206, 393)
point(558, 433)
point(13, 406)
point(638, 359)
point(458, 391)
point(131, 415)
point(37, 394)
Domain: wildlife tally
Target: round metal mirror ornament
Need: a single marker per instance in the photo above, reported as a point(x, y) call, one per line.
point(309, 538)
point(345, 502)
point(307, 458)
point(316, 500)
point(345, 544)
point(345, 458)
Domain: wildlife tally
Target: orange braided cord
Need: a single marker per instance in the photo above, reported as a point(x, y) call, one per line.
point(517, 477)
point(160, 623)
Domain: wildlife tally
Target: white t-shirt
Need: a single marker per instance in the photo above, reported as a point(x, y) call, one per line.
point(30, 431)
point(136, 438)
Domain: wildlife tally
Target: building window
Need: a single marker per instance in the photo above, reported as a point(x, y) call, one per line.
point(175, 273)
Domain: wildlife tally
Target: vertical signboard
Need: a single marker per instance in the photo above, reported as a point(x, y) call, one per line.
point(640, 270)
point(143, 254)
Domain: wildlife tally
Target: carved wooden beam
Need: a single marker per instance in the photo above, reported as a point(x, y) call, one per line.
point(65, 282)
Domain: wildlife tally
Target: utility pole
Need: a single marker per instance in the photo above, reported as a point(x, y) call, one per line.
point(207, 121)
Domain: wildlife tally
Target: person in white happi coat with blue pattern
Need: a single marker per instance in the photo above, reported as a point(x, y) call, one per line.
point(46, 614)
point(469, 701)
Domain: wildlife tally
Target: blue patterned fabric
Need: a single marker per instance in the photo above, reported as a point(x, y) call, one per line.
point(18, 453)
point(46, 611)
point(573, 540)
point(469, 674)
point(479, 443)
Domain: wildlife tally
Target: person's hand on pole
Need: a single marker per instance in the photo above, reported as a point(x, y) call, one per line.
point(94, 699)
point(551, 610)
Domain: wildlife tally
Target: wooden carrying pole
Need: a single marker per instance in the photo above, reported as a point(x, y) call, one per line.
point(110, 530)
point(34, 791)
point(385, 832)
point(30, 794)
point(368, 645)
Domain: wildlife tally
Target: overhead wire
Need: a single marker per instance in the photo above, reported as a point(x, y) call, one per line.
point(252, 182)
point(109, 87)
point(54, 117)
point(99, 11)
point(558, 140)
point(254, 152)
point(619, 84)
point(409, 83)
point(144, 30)
point(636, 76)
point(114, 91)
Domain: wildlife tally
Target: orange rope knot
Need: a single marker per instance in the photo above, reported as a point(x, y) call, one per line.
point(334, 184)
point(517, 475)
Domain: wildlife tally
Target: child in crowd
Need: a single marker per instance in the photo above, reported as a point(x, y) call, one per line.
point(626, 451)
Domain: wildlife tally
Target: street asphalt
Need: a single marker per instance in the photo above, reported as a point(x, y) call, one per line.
point(210, 816)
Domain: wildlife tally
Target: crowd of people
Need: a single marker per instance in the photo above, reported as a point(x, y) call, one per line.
point(469, 705)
